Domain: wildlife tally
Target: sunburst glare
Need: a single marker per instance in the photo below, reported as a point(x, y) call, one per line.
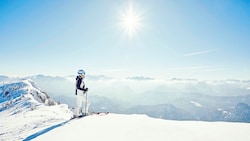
point(131, 21)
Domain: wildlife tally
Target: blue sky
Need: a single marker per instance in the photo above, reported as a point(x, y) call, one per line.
point(199, 39)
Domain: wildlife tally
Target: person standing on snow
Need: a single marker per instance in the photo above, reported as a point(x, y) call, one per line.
point(81, 95)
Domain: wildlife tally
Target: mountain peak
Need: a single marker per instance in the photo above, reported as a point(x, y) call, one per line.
point(24, 93)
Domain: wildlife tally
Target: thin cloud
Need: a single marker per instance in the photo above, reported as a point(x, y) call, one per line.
point(195, 68)
point(140, 78)
point(200, 52)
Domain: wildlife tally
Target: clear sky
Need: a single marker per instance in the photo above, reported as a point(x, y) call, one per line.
point(199, 39)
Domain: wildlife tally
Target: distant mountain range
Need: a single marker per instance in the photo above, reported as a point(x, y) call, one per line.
point(159, 104)
point(201, 108)
point(189, 107)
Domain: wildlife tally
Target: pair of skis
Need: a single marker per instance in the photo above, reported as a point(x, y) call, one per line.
point(99, 113)
point(91, 114)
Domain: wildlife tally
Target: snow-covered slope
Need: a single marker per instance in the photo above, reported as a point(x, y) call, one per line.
point(25, 109)
point(115, 127)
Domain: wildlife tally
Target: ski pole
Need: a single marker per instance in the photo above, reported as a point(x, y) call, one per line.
point(86, 103)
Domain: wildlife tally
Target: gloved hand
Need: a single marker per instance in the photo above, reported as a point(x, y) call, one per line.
point(86, 89)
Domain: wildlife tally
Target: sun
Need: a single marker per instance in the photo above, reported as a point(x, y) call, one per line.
point(131, 21)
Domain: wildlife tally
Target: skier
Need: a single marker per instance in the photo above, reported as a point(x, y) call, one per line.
point(81, 95)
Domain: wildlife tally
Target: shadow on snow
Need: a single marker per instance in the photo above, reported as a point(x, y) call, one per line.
point(44, 131)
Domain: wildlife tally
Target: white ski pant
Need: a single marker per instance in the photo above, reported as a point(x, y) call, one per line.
point(80, 100)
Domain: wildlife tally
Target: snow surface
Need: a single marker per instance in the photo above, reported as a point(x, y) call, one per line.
point(17, 126)
point(196, 104)
point(115, 127)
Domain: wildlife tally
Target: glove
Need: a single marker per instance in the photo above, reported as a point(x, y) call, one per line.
point(85, 90)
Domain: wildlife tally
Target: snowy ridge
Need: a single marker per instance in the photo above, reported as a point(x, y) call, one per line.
point(24, 93)
point(24, 109)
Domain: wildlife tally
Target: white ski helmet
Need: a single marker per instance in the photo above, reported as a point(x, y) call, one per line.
point(81, 72)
